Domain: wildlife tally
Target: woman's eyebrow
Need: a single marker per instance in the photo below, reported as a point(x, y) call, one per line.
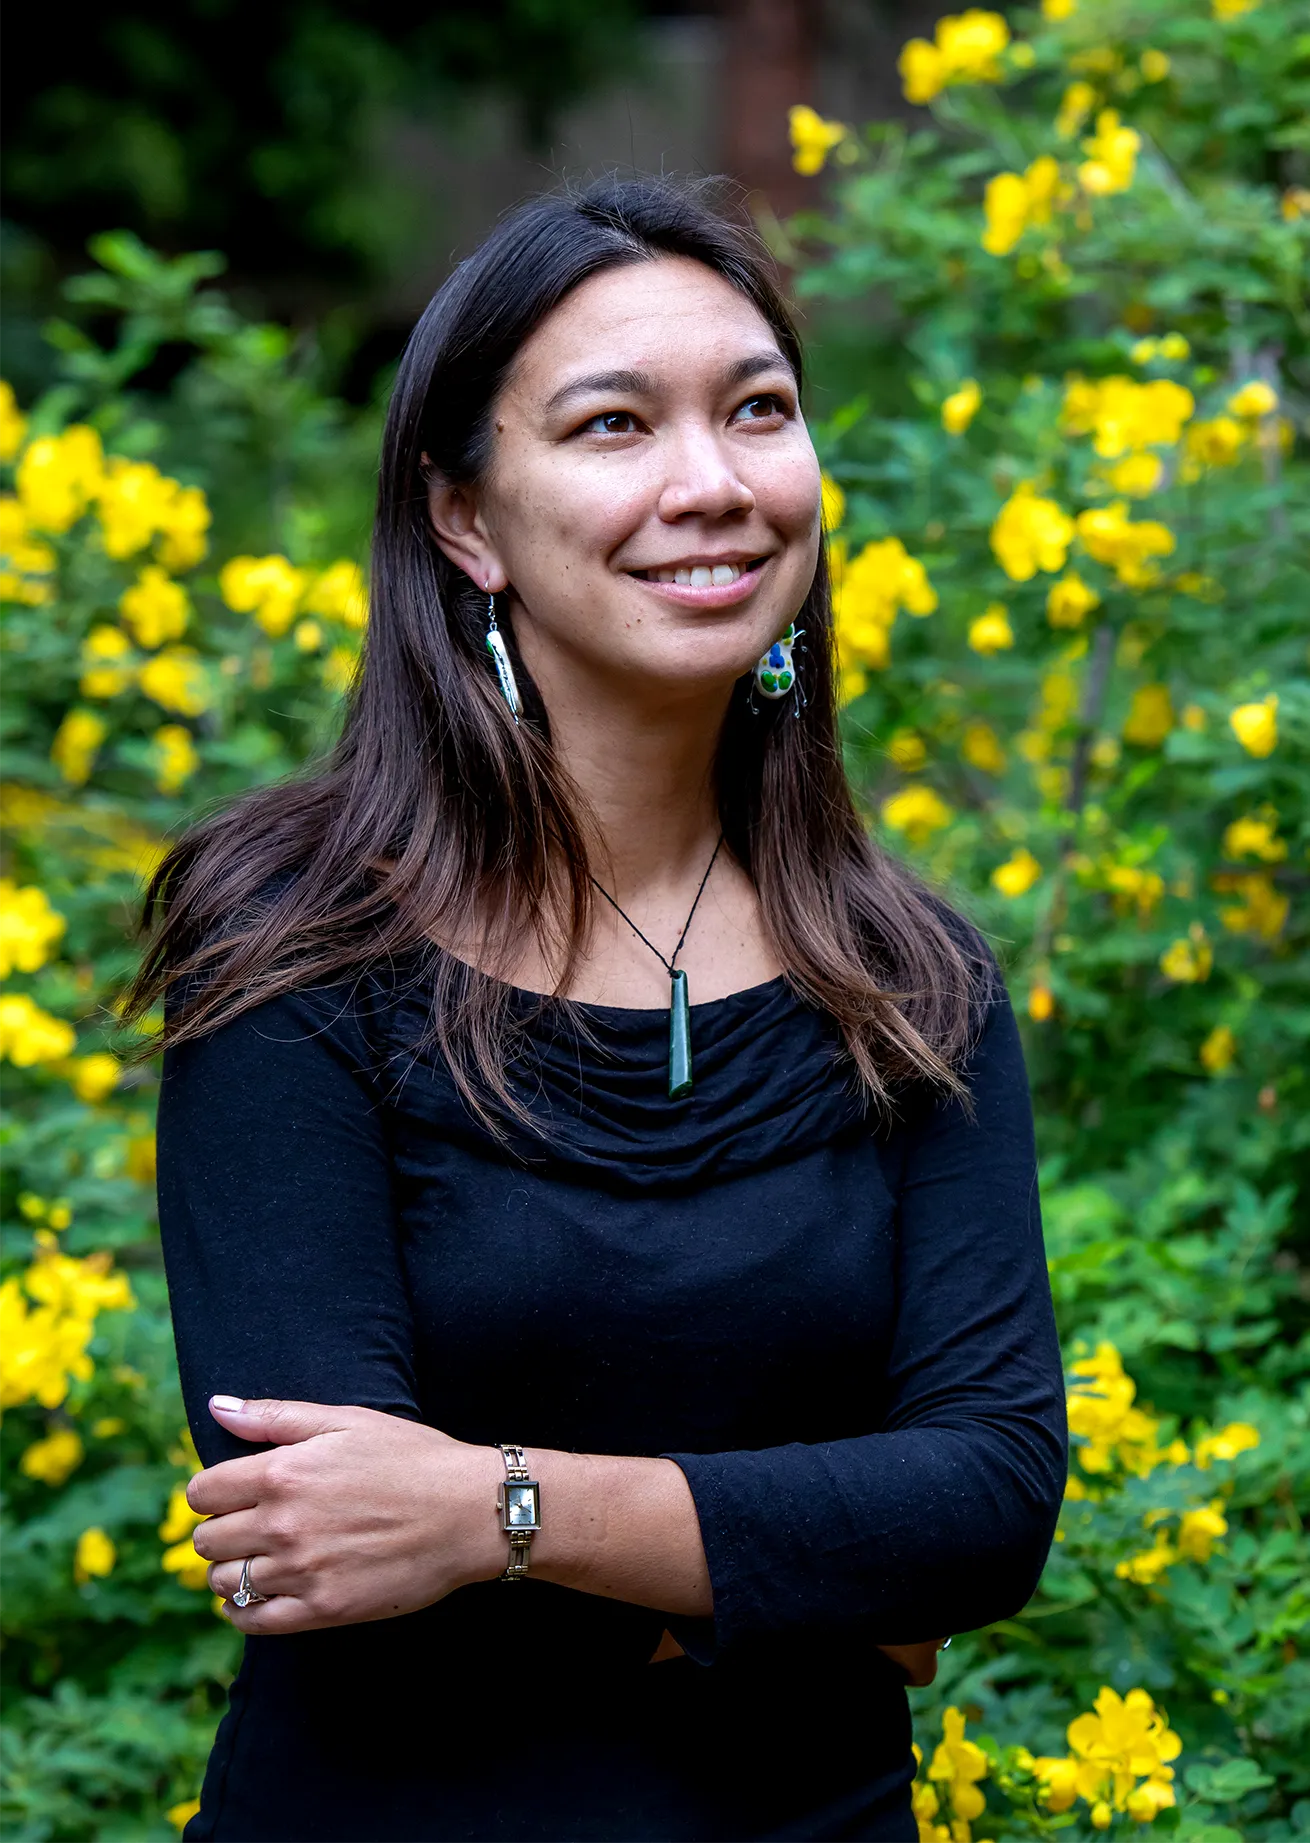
point(641, 384)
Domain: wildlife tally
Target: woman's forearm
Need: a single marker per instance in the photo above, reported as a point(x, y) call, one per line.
point(625, 1528)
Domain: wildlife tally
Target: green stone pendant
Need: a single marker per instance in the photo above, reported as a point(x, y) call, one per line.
point(679, 1038)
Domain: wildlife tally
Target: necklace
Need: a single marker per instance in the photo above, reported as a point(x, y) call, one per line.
point(679, 1004)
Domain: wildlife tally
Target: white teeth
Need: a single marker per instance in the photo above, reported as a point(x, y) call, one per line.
point(699, 576)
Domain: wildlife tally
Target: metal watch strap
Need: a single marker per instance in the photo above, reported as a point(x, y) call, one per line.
point(520, 1534)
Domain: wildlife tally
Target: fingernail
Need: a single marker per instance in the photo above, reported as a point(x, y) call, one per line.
point(233, 1403)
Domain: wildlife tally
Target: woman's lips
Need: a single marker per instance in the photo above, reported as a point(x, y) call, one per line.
point(705, 594)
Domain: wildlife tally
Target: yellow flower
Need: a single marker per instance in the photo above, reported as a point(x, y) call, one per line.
point(93, 1077)
point(26, 556)
point(95, 1555)
point(981, 748)
point(1262, 910)
point(966, 48)
point(1137, 475)
point(106, 668)
point(1069, 599)
point(1030, 534)
point(832, 503)
point(59, 475)
point(339, 594)
point(1041, 1002)
point(1173, 345)
point(29, 1035)
point(1130, 884)
point(308, 636)
point(1232, 9)
point(1219, 1049)
point(1216, 443)
point(1125, 416)
point(868, 592)
point(183, 520)
point(1252, 836)
point(29, 928)
point(1188, 961)
point(1155, 67)
point(1255, 725)
point(1111, 537)
point(1112, 156)
point(1295, 203)
point(54, 1458)
point(1059, 1781)
point(131, 502)
point(1254, 399)
point(917, 811)
point(156, 608)
point(175, 680)
point(906, 748)
point(179, 1816)
point(76, 743)
point(1199, 1530)
point(175, 756)
point(960, 408)
point(1059, 9)
point(180, 1557)
point(139, 1162)
point(1150, 717)
point(13, 424)
point(1017, 874)
point(991, 632)
point(812, 138)
point(1076, 105)
point(108, 1426)
point(1014, 201)
point(959, 1764)
point(1112, 1431)
point(1237, 1437)
point(270, 589)
point(1146, 1567)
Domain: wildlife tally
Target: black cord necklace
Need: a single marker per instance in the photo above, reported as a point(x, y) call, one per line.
point(679, 1003)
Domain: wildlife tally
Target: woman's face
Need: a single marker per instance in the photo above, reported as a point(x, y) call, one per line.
point(652, 503)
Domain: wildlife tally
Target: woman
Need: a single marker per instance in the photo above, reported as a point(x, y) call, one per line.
point(561, 1064)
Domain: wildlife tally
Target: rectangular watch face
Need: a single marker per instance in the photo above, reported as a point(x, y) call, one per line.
point(522, 1507)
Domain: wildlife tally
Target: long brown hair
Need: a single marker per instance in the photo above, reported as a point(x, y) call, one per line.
point(436, 818)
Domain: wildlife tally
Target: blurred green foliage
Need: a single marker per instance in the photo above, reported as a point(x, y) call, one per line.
point(1095, 736)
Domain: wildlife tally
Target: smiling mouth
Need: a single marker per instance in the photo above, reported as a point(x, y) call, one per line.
point(702, 575)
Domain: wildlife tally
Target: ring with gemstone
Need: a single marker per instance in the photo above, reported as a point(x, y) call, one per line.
point(245, 1594)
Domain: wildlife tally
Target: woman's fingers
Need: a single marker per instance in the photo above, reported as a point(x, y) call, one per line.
point(283, 1613)
point(234, 1484)
point(240, 1534)
point(265, 1576)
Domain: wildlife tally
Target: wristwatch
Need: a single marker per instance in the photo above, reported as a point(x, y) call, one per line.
point(518, 1500)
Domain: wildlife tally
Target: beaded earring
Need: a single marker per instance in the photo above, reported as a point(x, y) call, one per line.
point(501, 660)
point(775, 671)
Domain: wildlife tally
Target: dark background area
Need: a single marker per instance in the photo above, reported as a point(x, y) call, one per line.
point(342, 155)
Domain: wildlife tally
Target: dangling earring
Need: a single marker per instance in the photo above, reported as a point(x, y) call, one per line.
point(500, 659)
point(775, 671)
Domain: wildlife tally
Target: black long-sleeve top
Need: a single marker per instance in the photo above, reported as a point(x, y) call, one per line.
point(840, 1331)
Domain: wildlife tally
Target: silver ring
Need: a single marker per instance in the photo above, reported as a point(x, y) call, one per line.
point(245, 1594)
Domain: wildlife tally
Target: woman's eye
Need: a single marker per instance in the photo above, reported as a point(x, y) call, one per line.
point(761, 409)
point(611, 422)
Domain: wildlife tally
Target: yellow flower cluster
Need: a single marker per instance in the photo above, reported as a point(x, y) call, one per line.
point(29, 928)
point(1123, 416)
point(76, 745)
point(917, 811)
point(1124, 545)
point(1190, 961)
point(1113, 1434)
point(155, 608)
point(1018, 874)
point(868, 592)
point(950, 1790)
point(1198, 1531)
point(176, 759)
point(1261, 909)
point(29, 1035)
point(812, 138)
point(1031, 533)
point(1150, 717)
point(981, 747)
point(960, 408)
point(1111, 156)
point(54, 1458)
point(180, 1557)
point(991, 632)
point(1118, 1760)
point(1069, 600)
point(43, 1347)
point(965, 48)
point(1014, 202)
point(13, 424)
point(274, 591)
point(62, 477)
point(25, 559)
point(94, 1556)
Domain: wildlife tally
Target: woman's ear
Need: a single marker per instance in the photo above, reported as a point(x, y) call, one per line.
point(459, 530)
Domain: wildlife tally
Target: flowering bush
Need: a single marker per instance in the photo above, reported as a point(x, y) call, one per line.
point(160, 668)
point(1062, 343)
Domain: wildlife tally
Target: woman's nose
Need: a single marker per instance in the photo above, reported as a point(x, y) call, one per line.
point(701, 480)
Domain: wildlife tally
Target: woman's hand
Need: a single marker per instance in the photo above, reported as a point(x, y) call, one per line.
point(353, 1515)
